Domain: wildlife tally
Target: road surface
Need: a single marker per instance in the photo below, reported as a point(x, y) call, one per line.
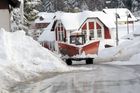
point(100, 79)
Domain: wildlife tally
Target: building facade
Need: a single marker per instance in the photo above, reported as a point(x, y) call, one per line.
point(5, 12)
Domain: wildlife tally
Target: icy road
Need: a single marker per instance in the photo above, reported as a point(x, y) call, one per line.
point(101, 79)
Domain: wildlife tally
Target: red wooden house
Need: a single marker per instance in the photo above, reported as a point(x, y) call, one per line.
point(81, 32)
point(4, 12)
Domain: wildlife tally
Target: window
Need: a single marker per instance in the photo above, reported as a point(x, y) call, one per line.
point(99, 33)
point(99, 30)
point(91, 30)
point(84, 32)
point(77, 40)
point(91, 33)
point(60, 33)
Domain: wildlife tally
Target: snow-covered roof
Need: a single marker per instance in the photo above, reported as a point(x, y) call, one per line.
point(44, 17)
point(47, 34)
point(122, 12)
point(73, 21)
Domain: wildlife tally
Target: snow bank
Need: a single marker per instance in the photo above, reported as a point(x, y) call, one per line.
point(22, 58)
point(126, 53)
point(137, 31)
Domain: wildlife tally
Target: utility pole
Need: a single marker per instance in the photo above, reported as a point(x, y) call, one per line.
point(116, 15)
point(117, 38)
point(127, 25)
point(128, 15)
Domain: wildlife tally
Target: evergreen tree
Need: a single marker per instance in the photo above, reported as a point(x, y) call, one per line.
point(30, 12)
point(46, 5)
point(16, 20)
point(128, 4)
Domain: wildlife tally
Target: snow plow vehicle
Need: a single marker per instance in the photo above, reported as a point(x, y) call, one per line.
point(77, 46)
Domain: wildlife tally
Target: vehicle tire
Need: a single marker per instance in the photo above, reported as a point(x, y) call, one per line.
point(69, 61)
point(89, 61)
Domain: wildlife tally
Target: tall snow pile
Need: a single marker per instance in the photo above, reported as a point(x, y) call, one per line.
point(22, 58)
point(127, 51)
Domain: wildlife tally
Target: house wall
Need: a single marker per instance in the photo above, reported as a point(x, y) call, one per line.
point(4, 19)
point(95, 25)
point(4, 4)
point(107, 34)
point(4, 12)
point(60, 32)
point(90, 24)
point(41, 25)
point(107, 38)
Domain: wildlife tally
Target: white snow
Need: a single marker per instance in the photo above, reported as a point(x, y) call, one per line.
point(127, 53)
point(22, 58)
point(47, 17)
point(47, 34)
point(73, 21)
point(101, 79)
point(122, 12)
point(137, 31)
point(134, 60)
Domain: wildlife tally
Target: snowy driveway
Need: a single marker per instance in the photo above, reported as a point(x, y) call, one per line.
point(101, 79)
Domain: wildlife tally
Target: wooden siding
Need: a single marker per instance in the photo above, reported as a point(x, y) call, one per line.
point(84, 27)
point(91, 25)
point(106, 33)
point(41, 25)
point(59, 30)
point(98, 26)
point(46, 45)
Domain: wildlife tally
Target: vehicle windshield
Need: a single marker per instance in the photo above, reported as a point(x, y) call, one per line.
point(77, 39)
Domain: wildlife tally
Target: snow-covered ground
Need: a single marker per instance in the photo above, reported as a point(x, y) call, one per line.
point(23, 61)
point(128, 51)
point(107, 78)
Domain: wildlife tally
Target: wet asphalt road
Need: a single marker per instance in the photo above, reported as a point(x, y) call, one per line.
point(103, 78)
point(135, 67)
